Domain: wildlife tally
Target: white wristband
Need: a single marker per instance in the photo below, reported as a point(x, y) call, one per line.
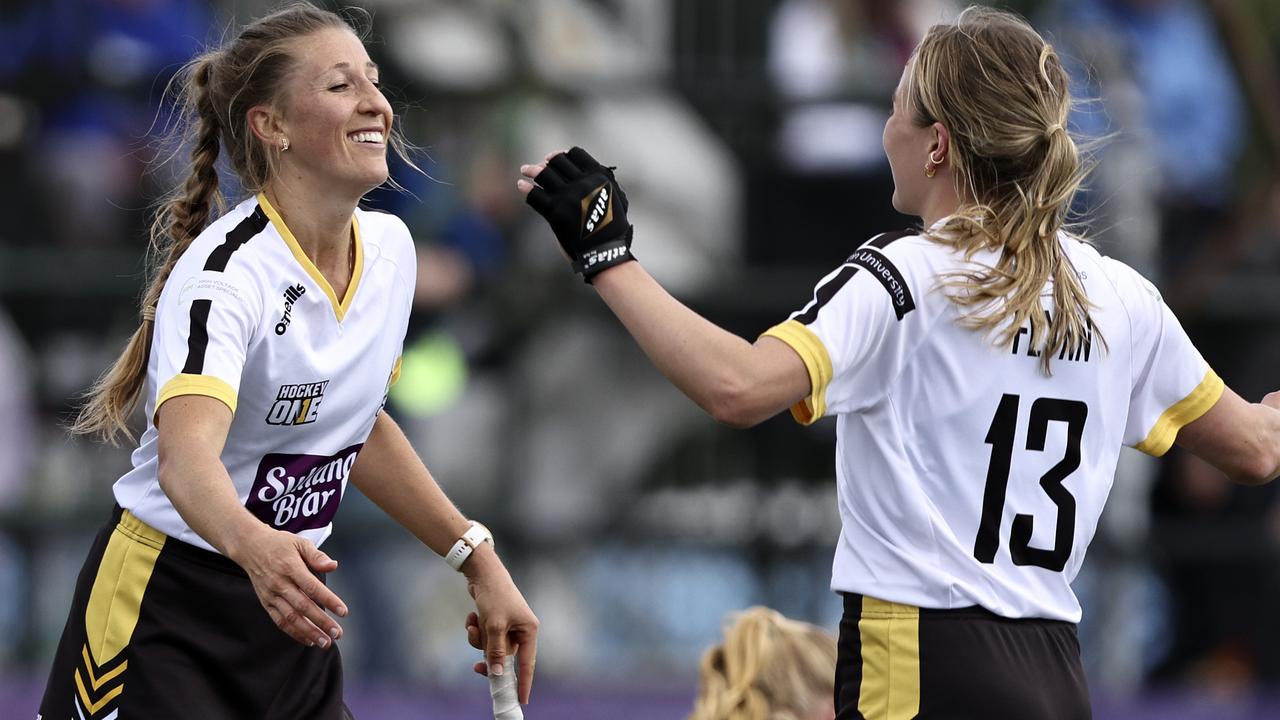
point(467, 544)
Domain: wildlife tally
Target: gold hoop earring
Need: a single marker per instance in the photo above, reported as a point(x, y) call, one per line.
point(931, 167)
point(284, 144)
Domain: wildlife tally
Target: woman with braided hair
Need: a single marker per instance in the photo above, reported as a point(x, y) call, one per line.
point(269, 337)
point(769, 667)
point(984, 370)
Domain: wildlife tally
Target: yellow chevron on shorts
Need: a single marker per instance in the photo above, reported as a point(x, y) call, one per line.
point(94, 707)
point(123, 574)
point(890, 634)
point(99, 691)
point(98, 682)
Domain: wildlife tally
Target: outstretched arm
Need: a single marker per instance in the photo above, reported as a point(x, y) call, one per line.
point(1240, 438)
point(736, 382)
point(390, 473)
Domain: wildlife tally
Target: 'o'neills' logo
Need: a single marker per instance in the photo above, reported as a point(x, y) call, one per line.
point(300, 492)
point(291, 295)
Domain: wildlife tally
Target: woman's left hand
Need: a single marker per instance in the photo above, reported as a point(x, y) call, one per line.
point(502, 623)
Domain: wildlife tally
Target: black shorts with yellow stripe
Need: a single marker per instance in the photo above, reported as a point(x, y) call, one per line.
point(162, 629)
point(898, 662)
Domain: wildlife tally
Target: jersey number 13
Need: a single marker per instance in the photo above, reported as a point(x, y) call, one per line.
point(1000, 437)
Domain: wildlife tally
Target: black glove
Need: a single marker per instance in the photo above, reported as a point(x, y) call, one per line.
point(586, 209)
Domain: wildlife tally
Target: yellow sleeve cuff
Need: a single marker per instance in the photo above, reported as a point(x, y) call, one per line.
point(207, 385)
point(816, 360)
point(1189, 408)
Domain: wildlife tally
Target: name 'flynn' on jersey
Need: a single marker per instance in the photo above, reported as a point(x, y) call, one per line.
point(965, 475)
point(318, 386)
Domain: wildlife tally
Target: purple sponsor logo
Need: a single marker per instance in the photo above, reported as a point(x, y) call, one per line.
point(299, 492)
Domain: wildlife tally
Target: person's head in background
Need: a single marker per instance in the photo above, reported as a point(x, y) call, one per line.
point(280, 102)
point(978, 135)
point(768, 668)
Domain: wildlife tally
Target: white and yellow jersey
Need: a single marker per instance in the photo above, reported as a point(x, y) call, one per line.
point(246, 318)
point(965, 475)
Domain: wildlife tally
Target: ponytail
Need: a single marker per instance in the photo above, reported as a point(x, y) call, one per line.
point(1002, 92)
point(179, 220)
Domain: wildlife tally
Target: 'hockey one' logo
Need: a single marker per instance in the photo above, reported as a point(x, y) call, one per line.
point(597, 211)
point(297, 404)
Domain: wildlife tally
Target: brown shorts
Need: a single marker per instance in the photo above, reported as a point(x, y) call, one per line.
point(162, 629)
point(898, 662)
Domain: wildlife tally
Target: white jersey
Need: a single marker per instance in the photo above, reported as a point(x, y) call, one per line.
point(246, 318)
point(965, 476)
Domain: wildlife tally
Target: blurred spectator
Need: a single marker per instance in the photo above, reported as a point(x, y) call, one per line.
point(1164, 86)
point(835, 64)
point(93, 71)
point(768, 668)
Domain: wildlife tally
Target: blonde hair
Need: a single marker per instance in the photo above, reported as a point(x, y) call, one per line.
point(1001, 91)
point(215, 92)
point(767, 668)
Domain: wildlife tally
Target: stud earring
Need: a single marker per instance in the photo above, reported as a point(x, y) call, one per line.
point(284, 144)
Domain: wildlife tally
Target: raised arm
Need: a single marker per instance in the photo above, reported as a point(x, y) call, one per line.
point(1240, 438)
point(390, 473)
point(193, 429)
point(736, 382)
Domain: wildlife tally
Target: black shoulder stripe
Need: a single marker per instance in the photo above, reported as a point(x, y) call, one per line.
point(242, 233)
point(825, 292)
point(198, 339)
point(883, 239)
point(887, 273)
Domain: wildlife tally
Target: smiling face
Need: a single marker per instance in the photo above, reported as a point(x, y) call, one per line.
point(334, 115)
point(907, 146)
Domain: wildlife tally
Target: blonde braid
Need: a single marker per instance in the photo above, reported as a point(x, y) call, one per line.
point(115, 395)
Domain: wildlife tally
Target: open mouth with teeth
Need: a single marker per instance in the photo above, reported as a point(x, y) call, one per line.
point(368, 137)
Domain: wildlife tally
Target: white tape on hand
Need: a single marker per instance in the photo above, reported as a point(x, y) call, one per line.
point(502, 688)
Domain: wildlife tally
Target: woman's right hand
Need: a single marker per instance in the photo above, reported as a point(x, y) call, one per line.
point(280, 564)
point(585, 206)
point(281, 567)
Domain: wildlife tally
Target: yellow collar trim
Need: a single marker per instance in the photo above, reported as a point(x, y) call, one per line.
point(339, 308)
